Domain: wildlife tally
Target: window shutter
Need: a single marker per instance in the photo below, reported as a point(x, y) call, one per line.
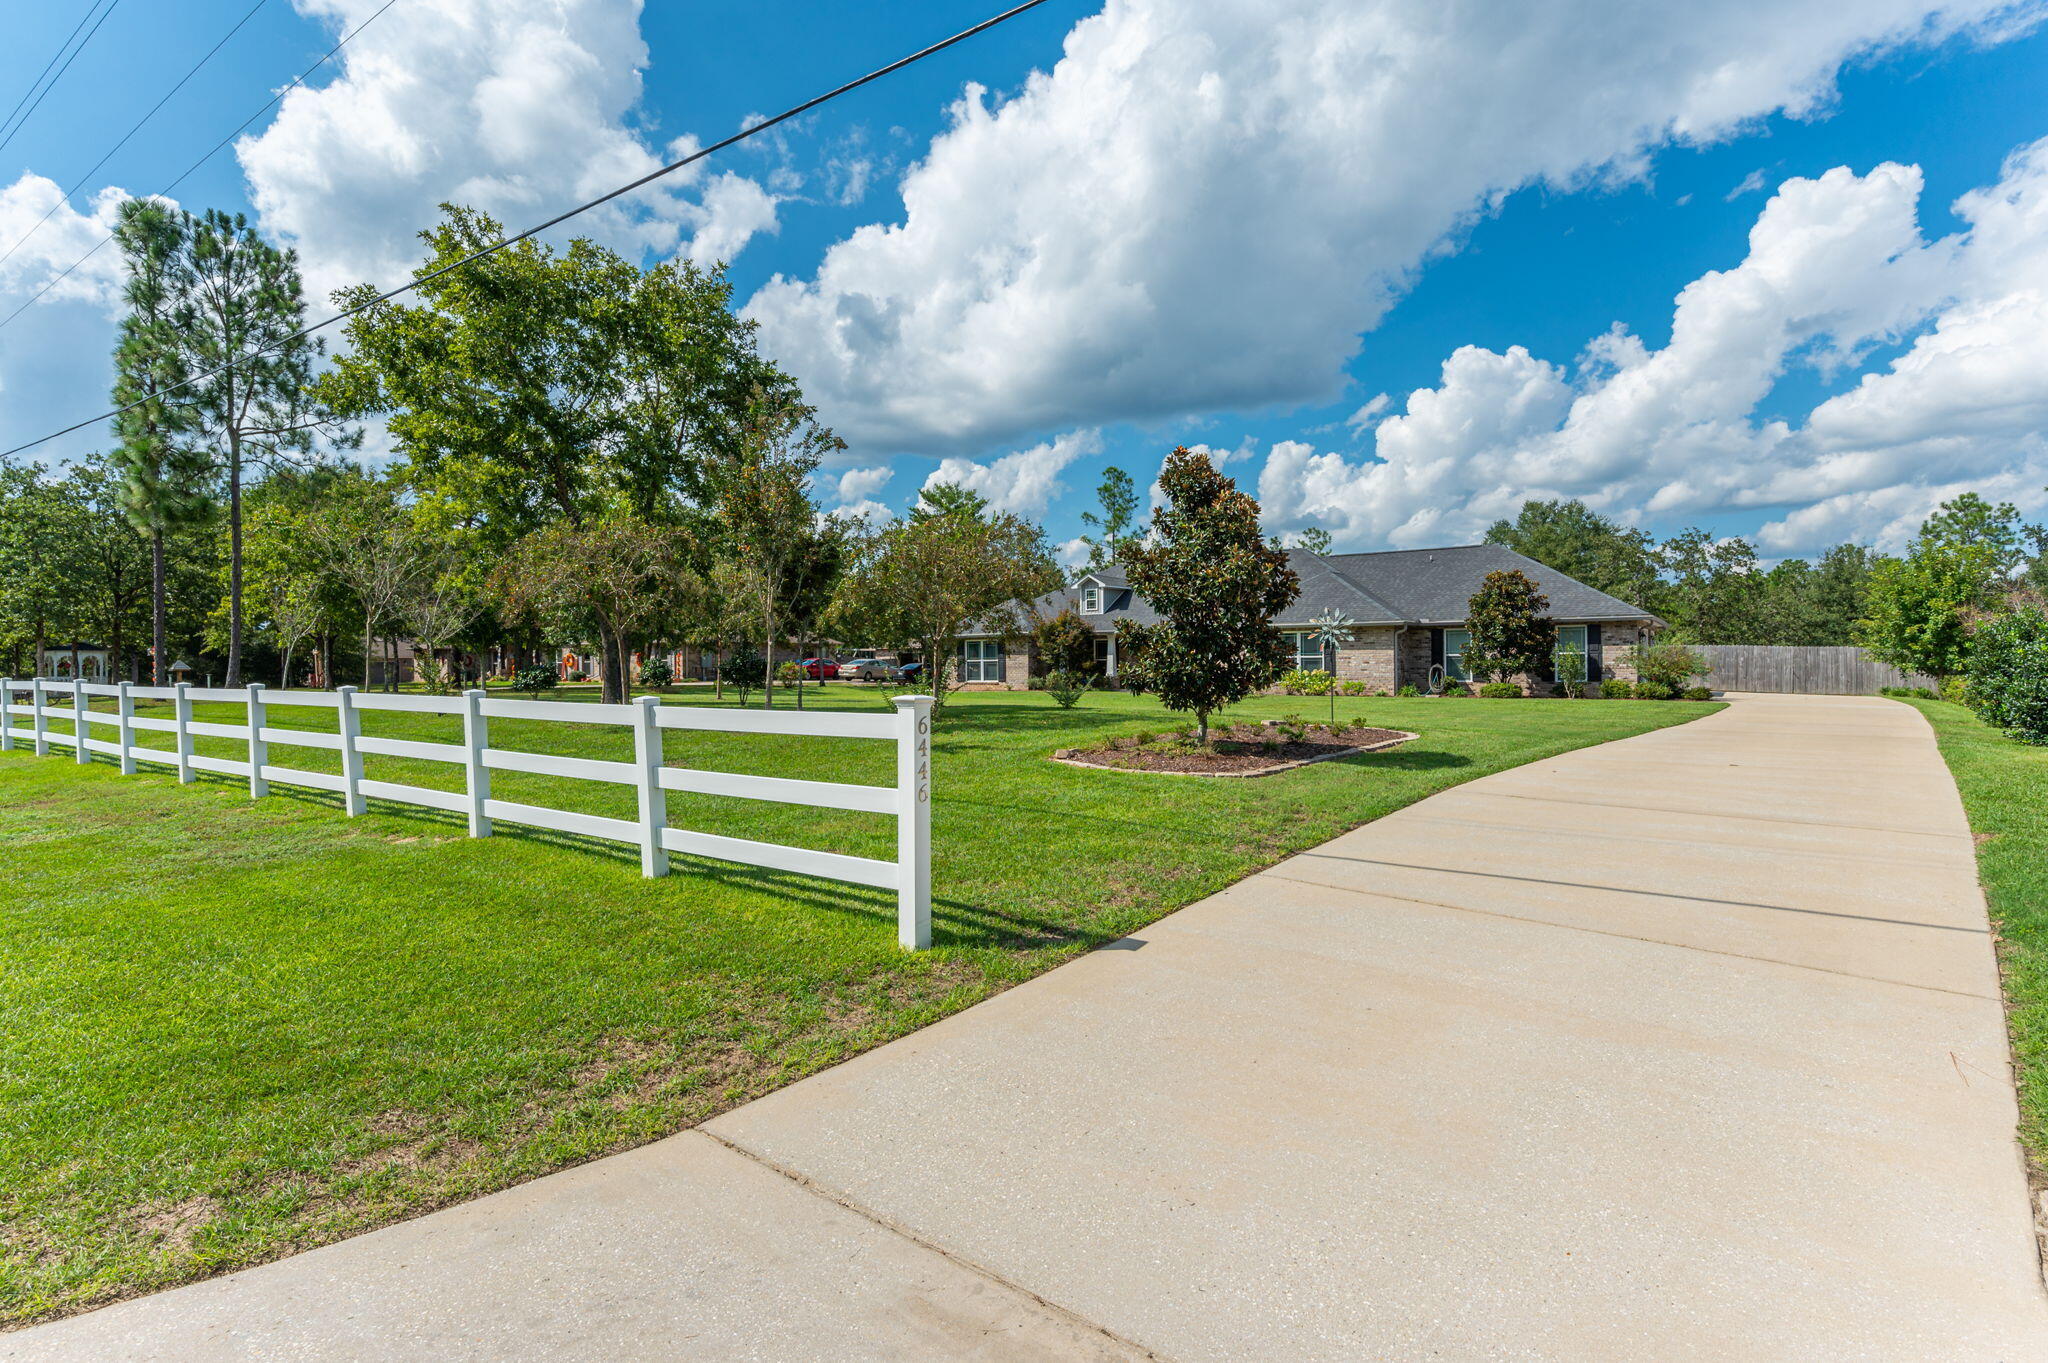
point(1436, 648)
point(1592, 654)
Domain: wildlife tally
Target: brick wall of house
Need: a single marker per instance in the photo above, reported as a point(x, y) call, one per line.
point(1017, 664)
point(1615, 642)
point(1415, 657)
point(1369, 658)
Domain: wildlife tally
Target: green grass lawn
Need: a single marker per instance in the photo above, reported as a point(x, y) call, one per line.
point(232, 1029)
point(2005, 792)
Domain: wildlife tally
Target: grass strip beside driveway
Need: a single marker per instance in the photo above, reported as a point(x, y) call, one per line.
point(2004, 785)
point(234, 1029)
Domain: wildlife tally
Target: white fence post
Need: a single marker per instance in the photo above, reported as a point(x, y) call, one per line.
point(80, 753)
point(914, 822)
point(184, 718)
point(476, 734)
point(127, 730)
point(259, 751)
point(38, 718)
point(350, 723)
point(6, 714)
point(653, 799)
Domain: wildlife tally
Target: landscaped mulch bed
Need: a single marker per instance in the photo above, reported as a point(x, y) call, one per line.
point(1238, 749)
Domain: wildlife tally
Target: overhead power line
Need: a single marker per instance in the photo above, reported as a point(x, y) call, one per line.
point(211, 152)
point(751, 130)
point(16, 123)
point(80, 183)
point(62, 48)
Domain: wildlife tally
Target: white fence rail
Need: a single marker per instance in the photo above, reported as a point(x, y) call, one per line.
point(909, 800)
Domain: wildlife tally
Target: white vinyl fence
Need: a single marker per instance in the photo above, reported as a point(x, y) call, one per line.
point(909, 799)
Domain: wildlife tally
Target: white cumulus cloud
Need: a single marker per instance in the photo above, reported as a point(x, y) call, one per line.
point(1836, 265)
point(516, 107)
point(1024, 482)
point(1204, 203)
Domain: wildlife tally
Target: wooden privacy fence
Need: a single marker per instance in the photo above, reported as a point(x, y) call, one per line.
point(1818, 670)
point(910, 728)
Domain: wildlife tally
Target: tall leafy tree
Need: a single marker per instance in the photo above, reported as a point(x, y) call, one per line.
point(1216, 584)
point(255, 400)
point(1712, 587)
point(111, 574)
point(1580, 542)
point(164, 477)
point(1116, 523)
point(43, 528)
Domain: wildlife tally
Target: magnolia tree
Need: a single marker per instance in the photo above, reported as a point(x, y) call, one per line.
point(1216, 584)
point(1511, 634)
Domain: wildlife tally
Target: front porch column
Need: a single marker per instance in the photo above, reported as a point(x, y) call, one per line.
point(1110, 665)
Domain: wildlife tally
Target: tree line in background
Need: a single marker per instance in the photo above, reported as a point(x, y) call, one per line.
point(587, 452)
point(1713, 590)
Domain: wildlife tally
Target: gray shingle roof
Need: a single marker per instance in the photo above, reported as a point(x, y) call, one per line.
point(1397, 587)
point(1431, 586)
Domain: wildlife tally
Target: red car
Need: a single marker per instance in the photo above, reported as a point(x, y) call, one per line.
point(821, 669)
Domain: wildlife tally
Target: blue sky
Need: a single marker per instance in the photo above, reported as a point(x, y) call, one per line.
point(1191, 226)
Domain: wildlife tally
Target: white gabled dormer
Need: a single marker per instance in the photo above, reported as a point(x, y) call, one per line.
point(1091, 596)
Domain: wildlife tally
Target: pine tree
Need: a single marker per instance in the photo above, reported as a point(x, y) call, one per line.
point(246, 308)
point(163, 478)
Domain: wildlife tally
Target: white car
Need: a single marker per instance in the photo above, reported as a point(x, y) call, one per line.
point(867, 669)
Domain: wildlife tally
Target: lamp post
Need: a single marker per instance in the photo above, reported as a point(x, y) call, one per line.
point(1332, 628)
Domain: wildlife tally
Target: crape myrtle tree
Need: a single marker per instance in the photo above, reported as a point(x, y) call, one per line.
point(770, 528)
point(165, 479)
point(951, 565)
point(1216, 583)
point(241, 311)
point(1511, 634)
point(616, 575)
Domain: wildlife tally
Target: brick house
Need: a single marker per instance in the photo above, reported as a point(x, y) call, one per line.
point(1409, 605)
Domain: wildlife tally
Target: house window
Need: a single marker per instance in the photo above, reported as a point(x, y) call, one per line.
point(1568, 660)
point(1307, 651)
point(981, 660)
point(1455, 643)
point(1091, 601)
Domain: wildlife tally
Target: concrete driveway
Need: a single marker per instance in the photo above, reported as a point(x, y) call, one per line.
point(1684, 1047)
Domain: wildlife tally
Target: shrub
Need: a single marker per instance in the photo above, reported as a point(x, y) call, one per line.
point(656, 672)
point(1500, 690)
point(1410, 691)
point(1614, 688)
point(1304, 683)
point(1908, 692)
point(1955, 690)
point(1650, 690)
point(746, 674)
point(1066, 689)
point(1698, 693)
point(1066, 643)
point(534, 680)
point(790, 674)
point(2008, 673)
point(1354, 688)
point(1671, 666)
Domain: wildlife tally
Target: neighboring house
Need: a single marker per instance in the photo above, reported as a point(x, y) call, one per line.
point(1409, 605)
